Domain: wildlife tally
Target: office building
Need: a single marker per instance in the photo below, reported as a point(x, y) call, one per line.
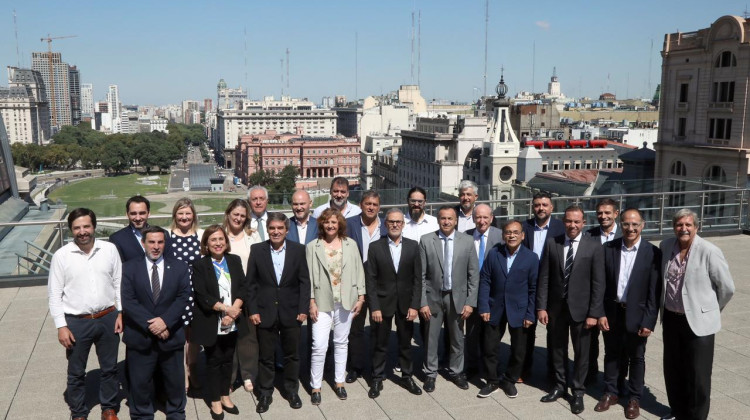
point(74, 79)
point(87, 100)
point(56, 76)
point(24, 107)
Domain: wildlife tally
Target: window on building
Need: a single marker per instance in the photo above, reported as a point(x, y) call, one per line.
point(726, 59)
point(677, 170)
point(720, 128)
point(681, 127)
point(683, 92)
point(722, 92)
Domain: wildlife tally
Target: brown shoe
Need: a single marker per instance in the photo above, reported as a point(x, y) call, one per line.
point(633, 410)
point(605, 402)
point(109, 414)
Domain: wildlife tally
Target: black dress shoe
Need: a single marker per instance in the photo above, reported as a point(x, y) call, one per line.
point(576, 406)
point(553, 396)
point(263, 403)
point(315, 398)
point(375, 388)
point(460, 381)
point(231, 410)
point(352, 376)
point(215, 416)
point(341, 392)
point(429, 384)
point(294, 401)
point(412, 386)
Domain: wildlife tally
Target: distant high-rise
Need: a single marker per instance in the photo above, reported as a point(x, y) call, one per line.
point(208, 105)
point(87, 100)
point(228, 98)
point(24, 107)
point(114, 108)
point(56, 78)
point(74, 78)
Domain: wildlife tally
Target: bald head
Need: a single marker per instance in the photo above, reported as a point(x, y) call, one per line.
point(482, 217)
point(301, 204)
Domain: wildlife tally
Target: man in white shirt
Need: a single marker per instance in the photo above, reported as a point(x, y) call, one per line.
point(257, 196)
point(467, 195)
point(417, 222)
point(339, 195)
point(84, 302)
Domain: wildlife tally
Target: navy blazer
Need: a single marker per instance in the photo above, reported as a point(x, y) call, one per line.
point(138, 304)
point(282, 301)
point(556, 228)
point(354, 231)
point(312, 230)
point(644, 285)
point(129, 247)
point(512, 292)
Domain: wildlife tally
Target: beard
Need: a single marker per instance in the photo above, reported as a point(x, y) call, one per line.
point(339, 203)
point(416, 213)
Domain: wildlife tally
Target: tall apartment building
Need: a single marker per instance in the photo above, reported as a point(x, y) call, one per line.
point(56, 78)
point(87, 100)
point(74, 78)
point(256, 117)
point(703, 120)
point(114, 108)
point(24, 107)
point(189, 108)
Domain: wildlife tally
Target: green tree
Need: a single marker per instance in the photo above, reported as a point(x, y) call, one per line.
point(115, 155)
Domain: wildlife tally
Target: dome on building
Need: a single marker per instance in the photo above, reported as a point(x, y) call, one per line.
point(222, 84)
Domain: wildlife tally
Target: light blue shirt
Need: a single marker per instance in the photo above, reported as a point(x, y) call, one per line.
point(627, 259)
point(447, 265)
point(278, 258)
point(511, 257)
point(540, 237)
point(606, 237)
point(395, 249)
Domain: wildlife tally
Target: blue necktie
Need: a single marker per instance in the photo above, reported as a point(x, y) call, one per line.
point(481, 251)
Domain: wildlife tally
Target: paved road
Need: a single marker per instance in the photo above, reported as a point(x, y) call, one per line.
point(32, 373)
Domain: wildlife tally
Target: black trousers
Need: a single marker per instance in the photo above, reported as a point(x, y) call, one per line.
point(594, 351)
point(624, 355)
point(688, 363)
point(219, 366)
point(101, 333)
point(492, 335)
point(473, 349)
point(380, 333)
point(267, 339)
point(358, 341)
point(142, 365)
point(528, 360)
point(560, 323)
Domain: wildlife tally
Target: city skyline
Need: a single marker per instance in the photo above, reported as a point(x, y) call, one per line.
point(164, 53)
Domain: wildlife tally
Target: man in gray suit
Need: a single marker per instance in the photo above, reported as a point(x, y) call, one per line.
point(697, 285)
point(450, 281)
point(485, 238)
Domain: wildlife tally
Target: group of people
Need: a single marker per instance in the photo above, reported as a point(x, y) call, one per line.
point(242, 290)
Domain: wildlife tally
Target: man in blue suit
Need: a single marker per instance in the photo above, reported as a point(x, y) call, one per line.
point(155, 291)
point(302, 224)
point(536, 231)
point(507, 295)
point(128, 239)
point(364, 228)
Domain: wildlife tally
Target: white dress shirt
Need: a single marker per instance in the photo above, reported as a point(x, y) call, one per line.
point(477, 236)
point(576, 242)
point(367, 239)
point(259, 223)
point(395, 249)
point(349, 211)
point(627, 259)
point(81, 283)
point(159, 269)
point(416, 229)
point(465, 222)
point(302, 230)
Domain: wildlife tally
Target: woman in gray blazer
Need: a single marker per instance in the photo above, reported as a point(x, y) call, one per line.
point(337, 281)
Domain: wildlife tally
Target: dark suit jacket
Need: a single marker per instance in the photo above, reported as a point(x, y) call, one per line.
point(511, 292)
point(354, 231)
point(586, 286)
point(644, 285)
point(494, 237)
point(206, 289)
point(283, 301)
point(128, 246)
point(387, 290)
point(595, 232)
point(138, 304)
point(312, 230)
point(556, 228)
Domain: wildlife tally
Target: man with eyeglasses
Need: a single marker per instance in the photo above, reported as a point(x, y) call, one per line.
point(417, 222)
point(394, 285)
point(507, 293)
point(631, 292)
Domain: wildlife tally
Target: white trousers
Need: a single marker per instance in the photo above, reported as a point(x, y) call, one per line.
point(342, 322)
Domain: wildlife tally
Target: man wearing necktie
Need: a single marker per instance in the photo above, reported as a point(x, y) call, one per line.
point(569, 298)
point(155, 291)
point(257, 196)
point(450, 278)
point(485, 238)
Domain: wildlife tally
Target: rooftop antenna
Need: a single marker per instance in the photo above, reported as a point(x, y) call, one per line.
point(412, 47)
point(419, 49)
point(287, 71)
point(486, 28)
point(746, 14)
point(282, 77)
point(15, 27)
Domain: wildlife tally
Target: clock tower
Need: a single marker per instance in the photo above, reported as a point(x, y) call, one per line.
point(500, 149)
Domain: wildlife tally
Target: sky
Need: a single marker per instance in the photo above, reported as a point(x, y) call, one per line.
point(163, 52)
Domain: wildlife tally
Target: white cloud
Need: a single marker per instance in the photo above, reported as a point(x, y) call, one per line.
point(542, 24)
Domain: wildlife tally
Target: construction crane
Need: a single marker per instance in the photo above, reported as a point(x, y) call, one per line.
point(52, 74)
